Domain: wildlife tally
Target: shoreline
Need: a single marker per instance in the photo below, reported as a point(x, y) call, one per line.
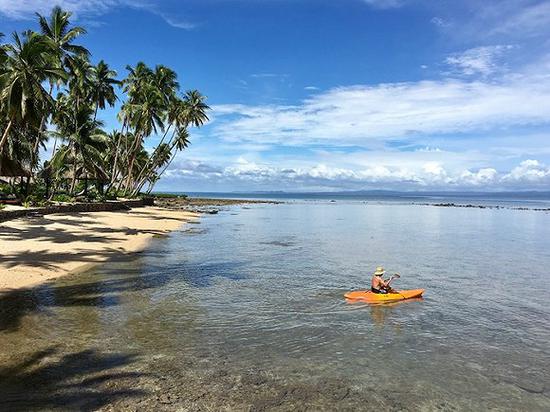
point(39, 249)
point(205, 204)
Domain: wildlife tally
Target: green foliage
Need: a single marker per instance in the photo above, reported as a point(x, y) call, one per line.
point(34, 200)
point(63, 197)
point(6, 189)
point(47, 82)
point(168, 196)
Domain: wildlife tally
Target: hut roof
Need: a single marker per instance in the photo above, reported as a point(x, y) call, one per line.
point(11, 168)
point(95, 174)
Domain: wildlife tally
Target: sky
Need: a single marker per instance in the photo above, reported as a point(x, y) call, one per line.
point(333, 95)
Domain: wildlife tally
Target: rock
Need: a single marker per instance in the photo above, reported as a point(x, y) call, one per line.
point(165, 399)
point(530, 386)
point(255, 379)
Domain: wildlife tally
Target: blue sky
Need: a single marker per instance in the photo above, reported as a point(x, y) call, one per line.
point(341, 95)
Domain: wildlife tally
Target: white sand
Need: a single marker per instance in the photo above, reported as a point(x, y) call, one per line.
point(34, 250)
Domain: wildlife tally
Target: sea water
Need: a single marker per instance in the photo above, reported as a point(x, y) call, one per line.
point(244, 310)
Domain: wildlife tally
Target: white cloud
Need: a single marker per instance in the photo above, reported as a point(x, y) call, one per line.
point(430, 175)
point(526, 20)
point(385, 4)
point(479, 60)
point(177, 23)
point(440, 22)
point(483, 177)
point(529, 171)
point(268, 75)
point(358, 115)
point(26, 9)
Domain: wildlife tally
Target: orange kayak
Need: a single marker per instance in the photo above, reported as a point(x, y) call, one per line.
point(368, 296)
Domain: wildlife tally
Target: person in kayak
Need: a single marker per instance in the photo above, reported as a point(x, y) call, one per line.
point(379, 285)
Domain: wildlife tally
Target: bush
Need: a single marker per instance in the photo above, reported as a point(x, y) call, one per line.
point(6, 189)
point(63, 197)
point(168, 196)
point(34, 201)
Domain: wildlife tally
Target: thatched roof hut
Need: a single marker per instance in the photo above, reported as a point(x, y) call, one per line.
point(12, 168)
point(95, 175)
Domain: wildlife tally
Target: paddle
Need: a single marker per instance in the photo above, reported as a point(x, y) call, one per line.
point(394, 276)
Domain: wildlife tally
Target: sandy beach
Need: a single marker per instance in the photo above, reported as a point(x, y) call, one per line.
point(35, 250)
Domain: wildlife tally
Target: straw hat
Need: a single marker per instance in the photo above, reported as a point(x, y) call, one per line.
point(379, 271)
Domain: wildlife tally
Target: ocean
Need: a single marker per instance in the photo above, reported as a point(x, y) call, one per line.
point(245, 311)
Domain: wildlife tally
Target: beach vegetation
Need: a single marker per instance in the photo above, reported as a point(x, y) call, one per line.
point(52, 136)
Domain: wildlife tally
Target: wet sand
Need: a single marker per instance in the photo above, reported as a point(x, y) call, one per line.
point(35, 250)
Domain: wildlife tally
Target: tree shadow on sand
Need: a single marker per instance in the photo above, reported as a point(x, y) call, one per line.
point(102, 293)
point(97, 234)
point(52, 379)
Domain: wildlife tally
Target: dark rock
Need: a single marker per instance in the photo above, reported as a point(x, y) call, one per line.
point(165, 399)
point(255, 379)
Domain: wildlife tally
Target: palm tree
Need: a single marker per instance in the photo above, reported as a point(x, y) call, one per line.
point(196, 108)
point(81, 79)
point(165, 81)
point(27, 66)
point(58, 32)
point(103, 92)
point(152, 107)
point(60, 35)
point(3, 54)
point(182, 113)
point(85, 147)
point(145, 110)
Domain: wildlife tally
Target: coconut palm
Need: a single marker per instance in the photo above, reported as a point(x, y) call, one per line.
point(58, 32)
point(165, 81)
point(85, 144)
point(180, 142)
point(145, 110)
point(188, 111)
point(152, 107)
point(81, 79)
point(3, 54)
point(27, 66)
point(102, 86)
point(195, 108)
point(138, 77)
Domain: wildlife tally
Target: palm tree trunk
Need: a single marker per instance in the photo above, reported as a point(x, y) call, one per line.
point(135, 147)
point(122, 177)
point(140, 176)
point(73, 182)
point(55, 140)
point(34, 154)
point(165, 167)
point(5, 135)
point(116, 172)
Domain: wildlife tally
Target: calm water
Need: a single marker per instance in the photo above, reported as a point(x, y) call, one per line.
point(244, 311)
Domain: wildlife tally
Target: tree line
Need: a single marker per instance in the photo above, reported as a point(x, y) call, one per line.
point(51, 92)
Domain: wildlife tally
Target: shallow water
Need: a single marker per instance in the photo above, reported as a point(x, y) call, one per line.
point(245, 311)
